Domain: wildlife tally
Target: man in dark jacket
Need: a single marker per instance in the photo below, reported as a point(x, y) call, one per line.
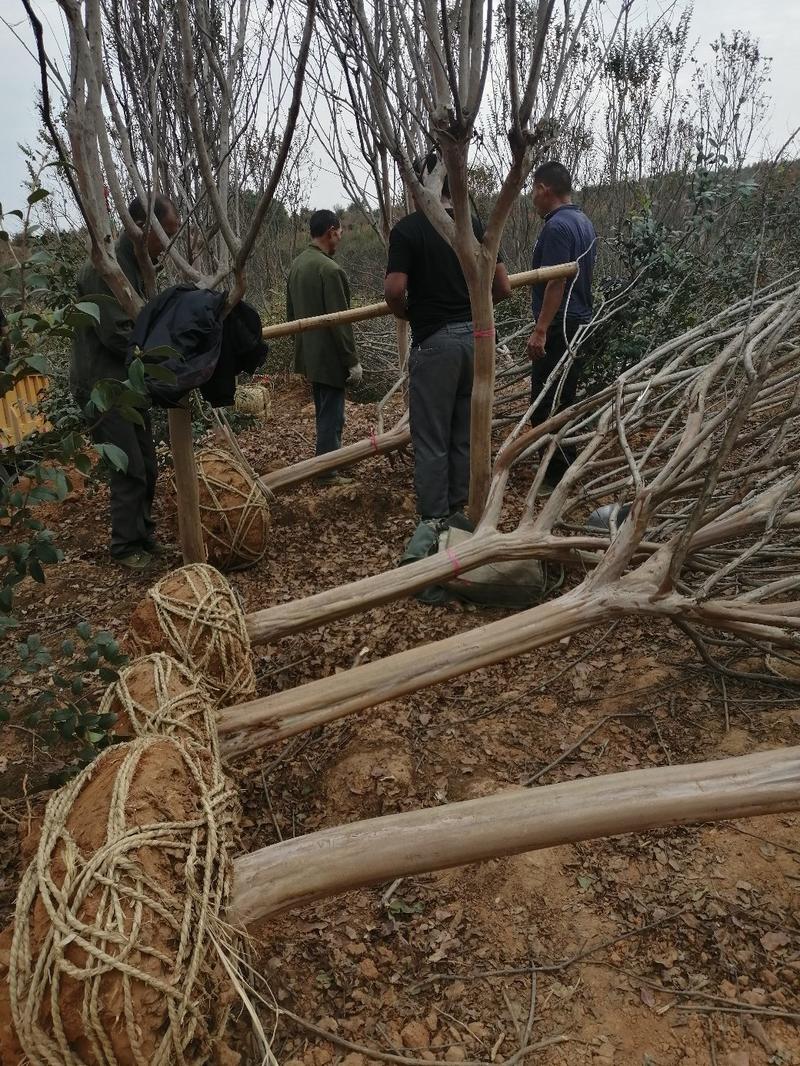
point(561, 308)
point(425, 284)
point(327, 357)
point(98, 353)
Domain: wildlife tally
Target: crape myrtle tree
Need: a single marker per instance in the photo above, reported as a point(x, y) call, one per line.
point(197, 100)
point(423, 67)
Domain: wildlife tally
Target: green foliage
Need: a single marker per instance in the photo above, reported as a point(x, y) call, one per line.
point(62, 686)
point(37, 274)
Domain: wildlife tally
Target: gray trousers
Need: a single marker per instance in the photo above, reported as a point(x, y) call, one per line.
point(132, 526)
point(439, 395)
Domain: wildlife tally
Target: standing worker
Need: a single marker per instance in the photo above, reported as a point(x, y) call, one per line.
point(561, 307)
point(99, 352)
point(327, 357)
point(425, 284)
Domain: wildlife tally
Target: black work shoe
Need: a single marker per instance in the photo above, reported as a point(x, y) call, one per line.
point(138, 560)
point(458, 520)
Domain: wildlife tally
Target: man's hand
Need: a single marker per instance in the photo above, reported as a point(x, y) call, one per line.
point(356, 375)
point(536, 343)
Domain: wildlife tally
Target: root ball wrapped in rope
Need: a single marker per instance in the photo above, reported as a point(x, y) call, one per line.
point(193, 615)
point(255, 400)
point(233, 511)
point(157, 694)
point(114, 954)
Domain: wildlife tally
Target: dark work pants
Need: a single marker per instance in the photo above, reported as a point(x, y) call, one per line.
point(132, 526)
point(439, 395)
point(541, 369)
point(329, 408)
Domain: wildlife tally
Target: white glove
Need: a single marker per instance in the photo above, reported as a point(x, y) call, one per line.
point(356, 375)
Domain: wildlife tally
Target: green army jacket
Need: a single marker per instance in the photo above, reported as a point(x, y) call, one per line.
point(317, 286)
point(99, 350)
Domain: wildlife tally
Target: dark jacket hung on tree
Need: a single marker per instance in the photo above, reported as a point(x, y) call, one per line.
point(207, 350)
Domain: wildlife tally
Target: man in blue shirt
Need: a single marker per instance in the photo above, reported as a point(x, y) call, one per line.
point(560, 307)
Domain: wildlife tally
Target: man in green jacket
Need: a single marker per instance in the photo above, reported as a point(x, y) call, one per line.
point(98, 353)
point(327, 357)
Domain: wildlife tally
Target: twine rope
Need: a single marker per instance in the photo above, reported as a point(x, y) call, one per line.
point(207, 632)
point(108, 906)
point(175, 703)
point(233, 510)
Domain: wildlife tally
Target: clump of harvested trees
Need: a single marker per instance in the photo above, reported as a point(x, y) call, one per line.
point(700, 437)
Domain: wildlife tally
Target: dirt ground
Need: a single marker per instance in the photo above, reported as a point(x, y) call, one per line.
point(680, 946)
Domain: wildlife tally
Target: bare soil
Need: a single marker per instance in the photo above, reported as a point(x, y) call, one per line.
point(681, 946)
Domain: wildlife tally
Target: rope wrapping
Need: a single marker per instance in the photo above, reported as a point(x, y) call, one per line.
point(233, 511)
point(111, 960)
point(254, 400)
point(193, 614)
point(156, 694)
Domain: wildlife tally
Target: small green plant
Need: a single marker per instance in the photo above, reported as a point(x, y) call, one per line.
point(61, 698)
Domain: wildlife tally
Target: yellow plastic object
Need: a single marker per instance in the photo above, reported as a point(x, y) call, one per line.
point(17, 419)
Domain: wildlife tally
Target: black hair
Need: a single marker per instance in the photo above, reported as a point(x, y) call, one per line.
point(427, 166)
point(162, 205)
point(321, 221)
point(555, 176)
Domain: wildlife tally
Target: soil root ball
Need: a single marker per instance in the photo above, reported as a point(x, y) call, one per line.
point(194, 615)
point(255, 400)
point(114, 953)
point(158, 695)
point(233, 511)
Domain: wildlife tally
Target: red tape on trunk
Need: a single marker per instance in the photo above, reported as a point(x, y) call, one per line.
point(484, 332)
point(451, 555)
point(373, 438)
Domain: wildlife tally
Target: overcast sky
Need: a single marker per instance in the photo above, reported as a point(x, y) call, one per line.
point(775, 22)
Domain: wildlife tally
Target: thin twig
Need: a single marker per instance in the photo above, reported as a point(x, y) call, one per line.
point(405, 1060)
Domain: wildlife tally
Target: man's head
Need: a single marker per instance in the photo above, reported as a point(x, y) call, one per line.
point(552, 186)
point(166, 213)
point(326, 231)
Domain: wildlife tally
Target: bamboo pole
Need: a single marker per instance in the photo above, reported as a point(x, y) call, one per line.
point(190, 529)
point(365, 853)
point(362, 314)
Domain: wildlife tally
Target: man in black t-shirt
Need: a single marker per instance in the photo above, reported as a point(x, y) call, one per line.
point(560, 307)
point(425, 284)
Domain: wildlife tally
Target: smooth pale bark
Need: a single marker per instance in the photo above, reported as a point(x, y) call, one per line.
point(268, 625)
point(378, 444)
point(365, 853)
point(263, 721)
point(190, 529)
point(362, 314)
point(480, 430)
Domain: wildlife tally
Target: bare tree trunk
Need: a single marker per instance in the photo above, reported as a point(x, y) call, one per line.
point(256, 723)
point(480, 445)
point(351, 856)
point(190, 528)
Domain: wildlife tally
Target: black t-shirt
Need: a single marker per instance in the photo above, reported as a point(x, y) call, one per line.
point(437, 291)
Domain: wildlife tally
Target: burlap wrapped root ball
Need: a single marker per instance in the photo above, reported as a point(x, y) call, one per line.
point(119, 920)
point(158, 695)
point(254, 400)
point(193, 615)
point(233, 511)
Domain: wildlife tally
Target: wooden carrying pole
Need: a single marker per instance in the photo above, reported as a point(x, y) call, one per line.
point(326, 863)
point(361, 314)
